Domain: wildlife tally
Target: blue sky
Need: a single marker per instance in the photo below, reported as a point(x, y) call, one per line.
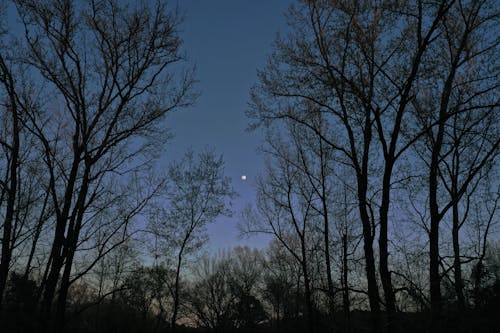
point(227, 40)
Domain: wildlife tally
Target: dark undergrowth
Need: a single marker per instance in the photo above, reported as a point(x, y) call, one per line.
point(20, 314)
point(115, 318)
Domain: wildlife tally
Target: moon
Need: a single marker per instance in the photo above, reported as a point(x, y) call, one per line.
point(243, 177)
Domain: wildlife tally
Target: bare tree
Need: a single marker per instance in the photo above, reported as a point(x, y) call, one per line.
point(463, 142)
point(9, 186)
point(246, 274)
point(197, 194)
point(211, 300)
point(284, 209)
point(316, 164)
point(282, 274)
point(113, 69)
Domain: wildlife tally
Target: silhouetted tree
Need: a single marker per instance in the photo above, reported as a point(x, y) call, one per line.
point(210, 298)
point(11, 146)
point(246, 272)
point(458, 98)
point(284, 210)
point(110, 67)
point(197, 193)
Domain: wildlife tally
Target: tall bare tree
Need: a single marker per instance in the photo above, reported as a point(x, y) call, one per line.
point(459, 97)
point(113, 71)
point(197, 194)
point(11, 145)
point(284, 210)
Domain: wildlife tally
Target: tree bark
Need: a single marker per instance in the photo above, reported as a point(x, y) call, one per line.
point(326, 230)
point(56, 256)
point(307, 291)
point(368, 228)
point(175, 310)
point(435, 217)
point(36, 236)
point(457, 264)
point(385, 274)
point(345, 282)
point(69, 251)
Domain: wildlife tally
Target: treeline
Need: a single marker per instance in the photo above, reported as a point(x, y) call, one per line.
point(241, 290)
point(380, 190)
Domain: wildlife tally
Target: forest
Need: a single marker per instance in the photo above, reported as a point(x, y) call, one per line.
point(380, 192)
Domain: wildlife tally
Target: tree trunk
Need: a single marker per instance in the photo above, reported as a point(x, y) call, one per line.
point(56, 256)
point(435, 215)
point(59, 254)
point(12, 187)
point(36, 236)
point(434, 277)
point(385, 274)
point(457, 264)
point(331, 295)
point(175, 309)
point(345, 282)
point(373, 294)
point(69, 251)
point(326, 230)
point(308, 296)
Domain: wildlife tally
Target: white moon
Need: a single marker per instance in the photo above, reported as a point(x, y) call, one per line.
point(244, 177)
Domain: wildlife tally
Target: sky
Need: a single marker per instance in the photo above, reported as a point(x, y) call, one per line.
point(227, 40)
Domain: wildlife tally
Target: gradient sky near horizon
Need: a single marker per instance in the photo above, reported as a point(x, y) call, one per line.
point(227, 40)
